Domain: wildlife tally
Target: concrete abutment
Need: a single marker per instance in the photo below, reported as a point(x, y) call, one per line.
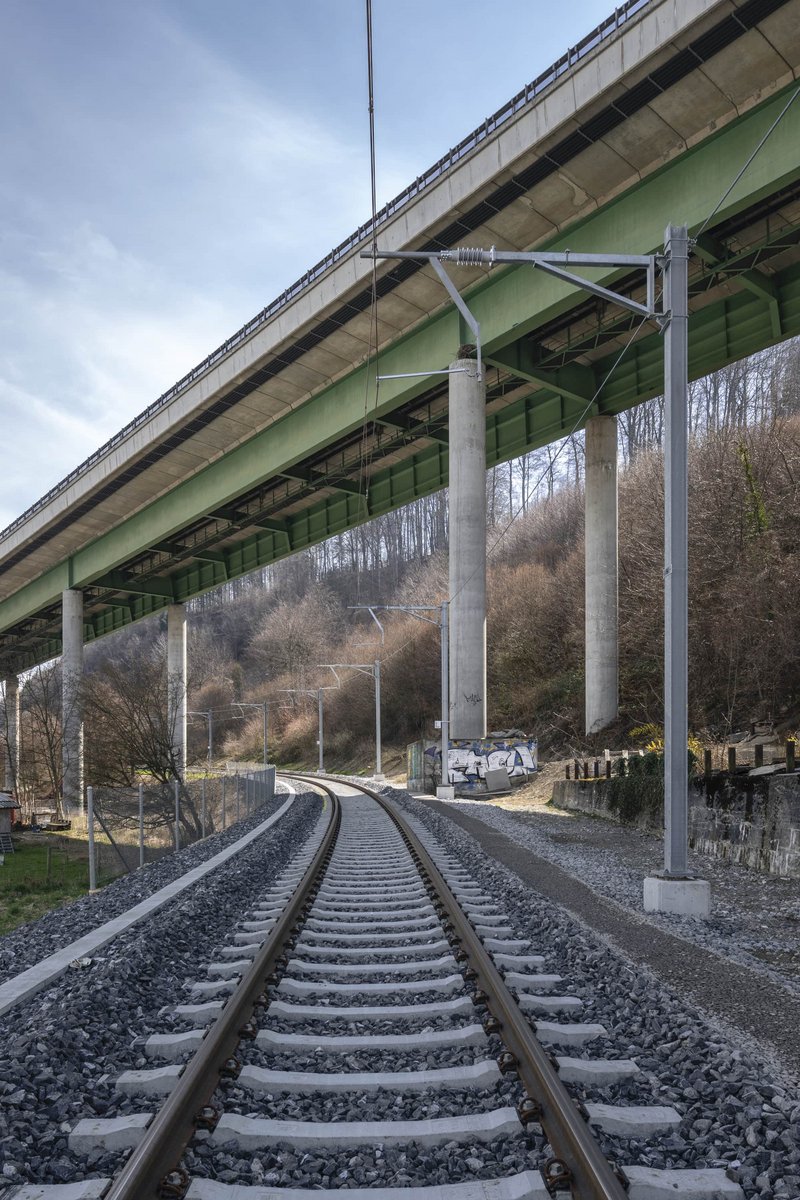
point(602, 670)
point(72, 700)
point(467, 498)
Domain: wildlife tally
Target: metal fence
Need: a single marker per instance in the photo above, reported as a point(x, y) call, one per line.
point(128, 827)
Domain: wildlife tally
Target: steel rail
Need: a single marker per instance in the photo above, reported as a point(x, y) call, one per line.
point(174, 1125)
point(592, 1177)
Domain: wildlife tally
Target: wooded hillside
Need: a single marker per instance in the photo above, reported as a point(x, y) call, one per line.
point(258, 637)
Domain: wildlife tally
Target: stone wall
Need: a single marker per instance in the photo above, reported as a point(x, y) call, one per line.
point(755, 822)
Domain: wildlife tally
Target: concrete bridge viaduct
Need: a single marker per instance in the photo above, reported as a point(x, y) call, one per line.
point(265, 447)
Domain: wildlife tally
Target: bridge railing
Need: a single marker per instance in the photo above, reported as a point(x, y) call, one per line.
point(608, 28)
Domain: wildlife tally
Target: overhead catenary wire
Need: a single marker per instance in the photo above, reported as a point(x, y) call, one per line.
point(763, 141)
point(372, 342)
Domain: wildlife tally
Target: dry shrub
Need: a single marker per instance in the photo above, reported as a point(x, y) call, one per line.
point(535, 639)
point(641, 588)
point(294, 634)
point(743, 622)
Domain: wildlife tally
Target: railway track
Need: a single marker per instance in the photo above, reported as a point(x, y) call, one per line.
point(372, 1026)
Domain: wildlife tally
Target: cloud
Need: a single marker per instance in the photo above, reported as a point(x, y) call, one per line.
point(93, 338)
point(114, 291)
point(168, 171)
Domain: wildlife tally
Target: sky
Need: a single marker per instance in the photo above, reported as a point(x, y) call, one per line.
point(170, 166)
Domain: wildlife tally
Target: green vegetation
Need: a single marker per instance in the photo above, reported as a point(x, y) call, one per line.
point(42, 874)
point(637, 791)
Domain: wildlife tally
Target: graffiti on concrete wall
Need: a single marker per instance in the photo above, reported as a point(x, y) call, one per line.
point(470, 760)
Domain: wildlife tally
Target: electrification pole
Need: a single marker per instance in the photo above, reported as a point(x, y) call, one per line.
point(318, 693)
point(674, 891)
point(441, 621)
point(208, 715)
point(373, 669)
point(263, 706)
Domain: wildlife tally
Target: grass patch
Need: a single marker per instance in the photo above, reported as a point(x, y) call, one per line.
point(45, 872)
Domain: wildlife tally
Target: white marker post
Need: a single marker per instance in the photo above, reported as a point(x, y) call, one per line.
point(141, 824)
point(90, 832)
point(177, 814)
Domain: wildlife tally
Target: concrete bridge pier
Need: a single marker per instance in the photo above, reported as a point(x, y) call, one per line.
point(11, 704)
point(72, 700)
point(467, 502)
point(602, 657)
point(176, 681)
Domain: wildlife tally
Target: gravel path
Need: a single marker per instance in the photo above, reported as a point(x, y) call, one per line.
point(755, 919)
point(736, 1112)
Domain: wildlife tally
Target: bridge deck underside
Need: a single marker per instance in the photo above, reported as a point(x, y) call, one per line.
point(323, 468)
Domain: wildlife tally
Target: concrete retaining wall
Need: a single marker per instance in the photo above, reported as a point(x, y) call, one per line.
point(756, 823)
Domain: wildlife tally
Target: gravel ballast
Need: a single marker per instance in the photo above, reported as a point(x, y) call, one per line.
point(732, 1115)
point(377, 1162)
point(30, 943)
point(63, 1050)
point(755, 917)
point(595, 870)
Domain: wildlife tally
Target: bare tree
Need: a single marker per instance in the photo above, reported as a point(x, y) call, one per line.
point(131, 734)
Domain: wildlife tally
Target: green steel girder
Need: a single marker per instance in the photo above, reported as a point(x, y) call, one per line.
point(716, 255)
point(510, 305)
point(150, 585)
point(573, 381)
point(397, 420)
point(742, 322)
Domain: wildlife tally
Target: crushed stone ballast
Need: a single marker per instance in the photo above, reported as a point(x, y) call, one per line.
point(385, 1048)
point(42, 974)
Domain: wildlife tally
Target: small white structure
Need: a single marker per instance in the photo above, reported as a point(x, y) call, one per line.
point(8, 806)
